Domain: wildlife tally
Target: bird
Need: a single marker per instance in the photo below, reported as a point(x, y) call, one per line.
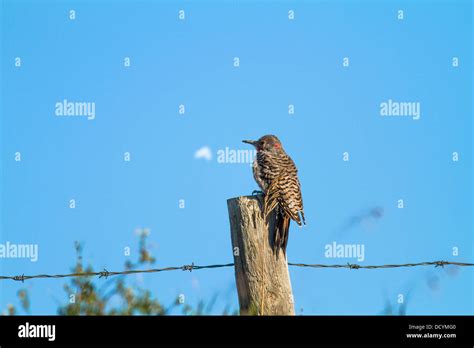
point(277, 176)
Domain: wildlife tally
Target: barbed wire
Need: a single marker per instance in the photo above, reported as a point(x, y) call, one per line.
point(105, 273)
point(357, 266)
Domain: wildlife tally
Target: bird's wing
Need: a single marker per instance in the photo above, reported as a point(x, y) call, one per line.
point(284, 192)
point(290, 199)
point(271, 198)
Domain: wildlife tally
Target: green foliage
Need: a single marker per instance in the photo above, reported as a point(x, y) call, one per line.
point(86, 298)
point(116, 295)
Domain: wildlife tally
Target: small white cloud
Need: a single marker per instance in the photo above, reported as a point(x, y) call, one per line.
point(203, 152)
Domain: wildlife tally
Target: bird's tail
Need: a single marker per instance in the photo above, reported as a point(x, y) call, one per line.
point(282, 229)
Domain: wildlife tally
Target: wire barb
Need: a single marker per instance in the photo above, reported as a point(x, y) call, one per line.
point(188, 267)
point(20, 278)
point(104, 274)
point(353, 265)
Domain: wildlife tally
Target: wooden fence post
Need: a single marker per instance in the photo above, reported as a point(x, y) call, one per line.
point(263, 281)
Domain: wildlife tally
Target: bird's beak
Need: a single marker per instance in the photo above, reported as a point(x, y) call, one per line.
point(251, 142)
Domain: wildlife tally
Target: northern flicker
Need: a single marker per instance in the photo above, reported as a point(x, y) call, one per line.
point(277, 176)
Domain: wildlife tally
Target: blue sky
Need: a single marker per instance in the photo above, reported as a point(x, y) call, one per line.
point(282, 62)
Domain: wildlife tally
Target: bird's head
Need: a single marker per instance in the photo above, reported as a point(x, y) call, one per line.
point(268, 143)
